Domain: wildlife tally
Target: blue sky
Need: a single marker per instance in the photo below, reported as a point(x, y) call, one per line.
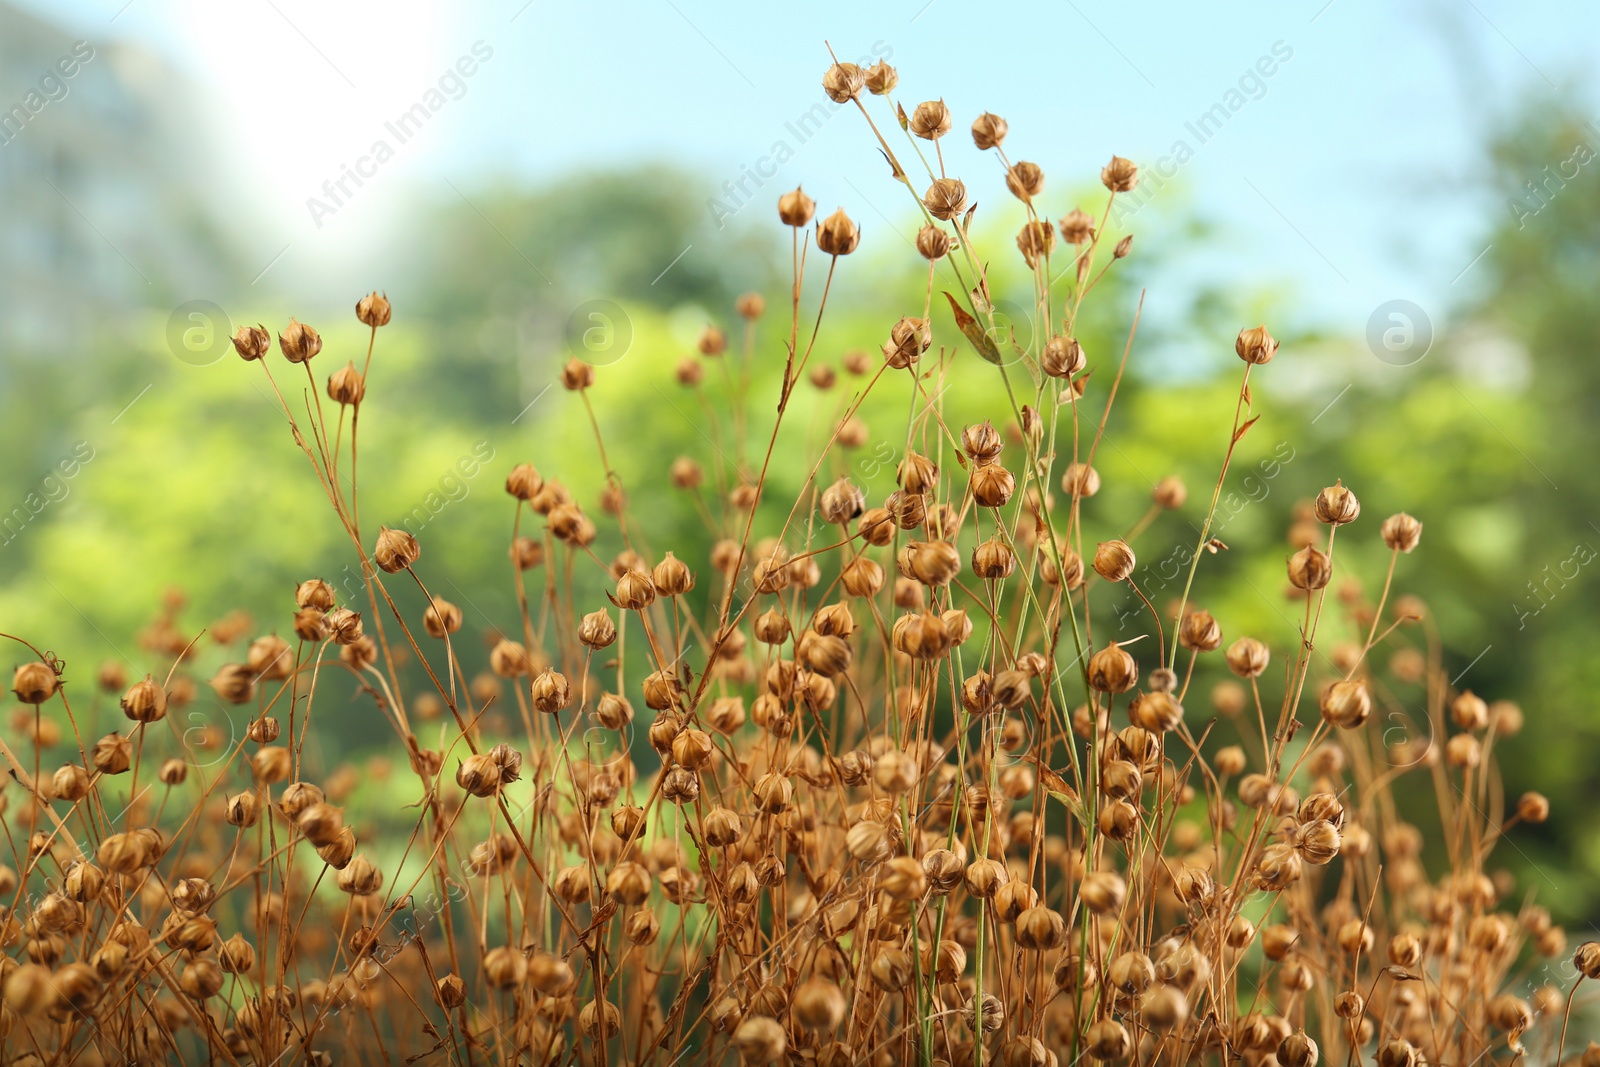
point(1345, 179)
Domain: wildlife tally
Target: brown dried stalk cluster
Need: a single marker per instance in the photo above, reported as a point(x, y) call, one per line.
point(891, 799)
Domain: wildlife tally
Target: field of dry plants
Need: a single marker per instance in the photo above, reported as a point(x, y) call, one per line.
point(894, 798)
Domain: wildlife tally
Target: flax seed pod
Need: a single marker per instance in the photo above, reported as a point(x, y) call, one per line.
point(441, 618)
point(993, 560)
point(374, 310)
point(947, 961)
point(1278, 868)
point(236, 955)
point(1322, 806)
point(597, 631)
point(1114, 560)
point(1119, 820)
point(988, 131)
point(981, 442)
point(895, 772)
point(1120, 176)
point(83, 882)
point(1080, 480)
point(908, 339)
point(145, 701)
point(1398, 1053)
point(904, 878)
point(760, 1040)
point(945, 199)
point(876, 527)
point(1035, 240)
point(635, 591)
point(70, 783)
point(1469, 711)
point(934, 563)
point(298, 342)
point(984, 877)
point(1156, 712)
point(272, 763)
point(124, 853)
point(662, 690)
point(819, 1004)
point(931, 120)
point(774, 793)
point(796, 208)
point(1463, 751)
point(906, 511)
point(1108, 1040)
point(450, 992)
point(1337, 506)
point(1025, 181)
point(842, 502)
point(992, 486)
point(1309, 569)
point(932, 243)
point(1248, 658)
point(524, 482)
point(693, 749)
point(569, 525)
point(111, 959)
point(1040, 929)
point(251, 342)
point(881, 78)
point(396, 550)
point(1355, 936)
point(838, 235)
point(1199, 632)
point(201, 979)
point(1256, 345)
point(628, 883)
point(772, 627)
point(551, 692)
point(843, 81)
point(346, 385)
point(34, 683)
point(1131, 973)
point(712, 341)
point(1298, 1050)
point(343, 625)
point(1346, 704)
point(1112, 670)
point(572, 884)
point(1401, 532)
point(505, 967)
point(1170, 492)
point(30, 990)
point(1062, 357)
point(243, 810)
point(314, 593)
point(672, 577)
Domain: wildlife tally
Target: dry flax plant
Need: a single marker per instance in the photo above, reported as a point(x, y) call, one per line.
point(897, 804)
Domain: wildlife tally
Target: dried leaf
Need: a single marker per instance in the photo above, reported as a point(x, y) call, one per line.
point(1239, 434)
point(894, 167)
point(974, 333)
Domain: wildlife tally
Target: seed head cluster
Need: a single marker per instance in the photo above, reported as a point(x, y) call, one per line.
point(861, 777)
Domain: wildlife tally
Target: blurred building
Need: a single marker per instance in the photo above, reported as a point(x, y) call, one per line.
point(103, 169)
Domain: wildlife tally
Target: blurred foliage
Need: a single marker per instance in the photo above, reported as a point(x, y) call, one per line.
point(1487, 440)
